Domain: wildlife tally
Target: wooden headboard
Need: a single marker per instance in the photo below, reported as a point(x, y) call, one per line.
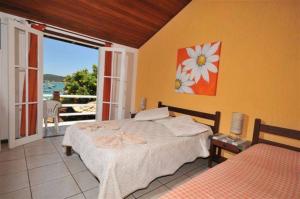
point(214, 117)
point(290, 133)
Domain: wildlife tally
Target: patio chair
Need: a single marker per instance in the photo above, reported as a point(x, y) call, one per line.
point(50, 110)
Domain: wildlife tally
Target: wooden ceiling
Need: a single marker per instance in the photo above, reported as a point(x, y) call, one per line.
point(127, 22)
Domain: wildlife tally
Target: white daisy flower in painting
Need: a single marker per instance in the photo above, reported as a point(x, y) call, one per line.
point(183, 83)
point(201, 61)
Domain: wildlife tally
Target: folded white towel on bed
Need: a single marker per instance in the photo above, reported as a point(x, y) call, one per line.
point(117, 140)
point(94, 126)
point(108, 141)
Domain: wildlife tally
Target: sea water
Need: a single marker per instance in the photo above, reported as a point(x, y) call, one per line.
point(49, 87)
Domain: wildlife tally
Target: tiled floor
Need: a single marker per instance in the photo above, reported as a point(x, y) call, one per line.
point(41, 170)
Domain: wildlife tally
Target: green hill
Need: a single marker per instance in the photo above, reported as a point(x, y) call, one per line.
point(53, 78)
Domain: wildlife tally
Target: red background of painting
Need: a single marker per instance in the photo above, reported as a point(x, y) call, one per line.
point(202, 87)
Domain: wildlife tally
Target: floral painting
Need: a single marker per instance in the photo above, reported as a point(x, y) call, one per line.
point(197, 69)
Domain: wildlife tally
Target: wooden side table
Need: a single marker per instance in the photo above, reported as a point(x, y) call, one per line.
point(224, 143)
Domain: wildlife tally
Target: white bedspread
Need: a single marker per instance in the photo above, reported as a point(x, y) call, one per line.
point(134, 166)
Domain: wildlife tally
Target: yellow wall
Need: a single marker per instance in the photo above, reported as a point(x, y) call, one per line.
point(259, 71)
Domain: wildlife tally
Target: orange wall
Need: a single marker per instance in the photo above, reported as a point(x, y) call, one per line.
point(259, 71)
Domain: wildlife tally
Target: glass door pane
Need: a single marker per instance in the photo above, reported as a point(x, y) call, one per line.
point(115, 86)
point(32, 121)
point(114, 111)
point(32, 85)
point(20, 47)
point(20, 121)
point(33, 50)
point(20, 85)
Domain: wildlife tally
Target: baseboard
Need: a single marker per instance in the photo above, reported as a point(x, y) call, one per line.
point(4, 141)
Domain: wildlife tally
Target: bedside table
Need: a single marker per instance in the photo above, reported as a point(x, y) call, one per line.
point(223, 142)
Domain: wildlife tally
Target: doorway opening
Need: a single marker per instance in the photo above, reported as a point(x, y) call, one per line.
point(70, 76)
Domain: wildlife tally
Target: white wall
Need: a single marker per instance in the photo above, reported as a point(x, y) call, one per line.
point(3, 80)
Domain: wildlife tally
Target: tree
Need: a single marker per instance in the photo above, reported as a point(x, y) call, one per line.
point(82, 82)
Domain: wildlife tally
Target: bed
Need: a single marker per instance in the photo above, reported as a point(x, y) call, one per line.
point(123, 171)
point(265, 170)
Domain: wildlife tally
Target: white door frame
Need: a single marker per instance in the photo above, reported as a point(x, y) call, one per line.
point(100, 82)
point(134, 52)
point(13, 142)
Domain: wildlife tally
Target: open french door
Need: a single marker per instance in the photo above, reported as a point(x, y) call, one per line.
point(25, 83)
point(111, 84)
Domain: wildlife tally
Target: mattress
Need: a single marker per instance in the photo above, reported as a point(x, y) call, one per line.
point(262, 171)
point(134, 166)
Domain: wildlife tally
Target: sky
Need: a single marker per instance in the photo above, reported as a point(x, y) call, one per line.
point(62, 58)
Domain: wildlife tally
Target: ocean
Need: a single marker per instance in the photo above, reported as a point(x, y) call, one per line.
point(49, 87)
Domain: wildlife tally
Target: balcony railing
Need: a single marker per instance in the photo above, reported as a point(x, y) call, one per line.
point(74, 106)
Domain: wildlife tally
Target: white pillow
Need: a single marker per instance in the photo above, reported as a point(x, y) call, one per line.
point(184, 126)
point(152, 114)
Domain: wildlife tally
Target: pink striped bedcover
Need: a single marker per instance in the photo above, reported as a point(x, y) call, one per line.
point(262, 171)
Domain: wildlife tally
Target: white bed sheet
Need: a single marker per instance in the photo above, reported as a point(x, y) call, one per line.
point(122, 171)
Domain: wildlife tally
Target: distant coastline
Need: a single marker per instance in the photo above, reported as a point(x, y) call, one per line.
point(53, 78)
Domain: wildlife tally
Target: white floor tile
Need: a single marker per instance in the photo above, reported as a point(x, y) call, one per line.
point(13, 182)
point(61, 150)
point(86, 180)
point(177, 182)
point(57, 143)
point(74, 164)
point(188, 167)
point(153, 185)
point(12, 166)
point(39, 149)
point(55, 139)
point(41, 142)
point(20, 194)
point(65, 157)
point(4, 147)
point(130, 197)
point(202, 161)
point(59, 189)
point(78, 196)
point(13, 154)
point(197, 171)
point(92, 193)
point(169, 178)
point(43, 174)
point(42, 160)
point(155, 194)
